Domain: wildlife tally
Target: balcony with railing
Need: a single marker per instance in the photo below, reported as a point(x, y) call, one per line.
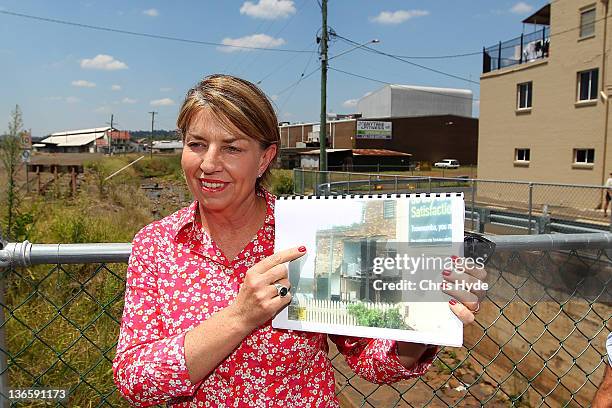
point(525, 48)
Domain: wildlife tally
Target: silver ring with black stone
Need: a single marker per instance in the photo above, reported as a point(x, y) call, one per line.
point(281, 290)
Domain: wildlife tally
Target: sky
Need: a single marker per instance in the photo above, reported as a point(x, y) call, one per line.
point(70, 77)
point(289, 221)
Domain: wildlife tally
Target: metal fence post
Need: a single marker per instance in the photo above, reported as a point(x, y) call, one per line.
point(369, 184)
point(544, 224)
point(4, 383)
point(303, 177)
point(395, 184)
point(349, 183)
point(473, 202)
point(484, 215)
point(530, 207)
point(429, 178)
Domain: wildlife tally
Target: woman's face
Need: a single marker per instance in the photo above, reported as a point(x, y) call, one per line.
point(221, 166)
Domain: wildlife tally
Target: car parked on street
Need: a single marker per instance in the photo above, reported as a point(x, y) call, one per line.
point(447, 164)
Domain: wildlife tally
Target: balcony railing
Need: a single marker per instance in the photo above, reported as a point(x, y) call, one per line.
point(519, 50)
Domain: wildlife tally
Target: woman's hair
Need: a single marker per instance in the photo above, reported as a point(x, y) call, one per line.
point(233, 101)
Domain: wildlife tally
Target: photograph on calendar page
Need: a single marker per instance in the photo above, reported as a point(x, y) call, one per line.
point(373, 266)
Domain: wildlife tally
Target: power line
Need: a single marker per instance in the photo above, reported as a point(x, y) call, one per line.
point(245, 67)
point(467, 54)
point(302, 77)
point(146, 35)
point(413, 89)
point(298, 81)
point(275, 70)
point(474, 53)
point(409, 62)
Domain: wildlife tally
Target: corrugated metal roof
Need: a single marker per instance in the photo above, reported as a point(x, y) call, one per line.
point(327, 150)
point(119, 135)
point(168, 144)
point(362, 152)
point(378, 152)
point(72, 140)
point(81, 131)
point(434, 90)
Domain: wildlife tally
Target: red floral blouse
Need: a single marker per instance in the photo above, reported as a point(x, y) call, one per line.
point(177, 277)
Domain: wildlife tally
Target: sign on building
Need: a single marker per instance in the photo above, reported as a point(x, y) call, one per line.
point(370, 129)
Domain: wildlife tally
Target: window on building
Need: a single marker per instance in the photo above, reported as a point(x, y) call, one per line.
point(584, 156)
point(524, 95)
point(389, 209)
point(587, 85)
point(522, 155)
point(587, 22)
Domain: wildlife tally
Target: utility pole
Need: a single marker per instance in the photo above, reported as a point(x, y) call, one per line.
point(110, 139)
point(323, 125)
point(151, 138)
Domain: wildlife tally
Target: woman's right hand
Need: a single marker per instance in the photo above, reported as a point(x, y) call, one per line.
point(258, 300)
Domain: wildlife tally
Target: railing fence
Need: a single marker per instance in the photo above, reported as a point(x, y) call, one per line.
point(518, 206)
point(538, 340)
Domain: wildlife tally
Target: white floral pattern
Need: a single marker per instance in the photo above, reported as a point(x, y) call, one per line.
point(177, 277)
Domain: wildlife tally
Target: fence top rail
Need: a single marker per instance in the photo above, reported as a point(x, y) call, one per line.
point(26, 253)
point(456, 179)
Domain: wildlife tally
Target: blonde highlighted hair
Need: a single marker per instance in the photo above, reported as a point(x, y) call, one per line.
point(237, 103)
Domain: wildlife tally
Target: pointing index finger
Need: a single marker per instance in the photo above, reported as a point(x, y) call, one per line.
point(278, 258)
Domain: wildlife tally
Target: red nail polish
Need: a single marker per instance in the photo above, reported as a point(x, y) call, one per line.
point(302, 248)
point(453, 302)
point(454, 257)
point(446, 272)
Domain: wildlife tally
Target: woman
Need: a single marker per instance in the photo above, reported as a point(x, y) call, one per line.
point(202, 283)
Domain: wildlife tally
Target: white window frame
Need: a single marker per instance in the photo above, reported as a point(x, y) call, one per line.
point(522, 149)
point(588, 9)
point(586, 156)
point(527, 96)
point(592, 97)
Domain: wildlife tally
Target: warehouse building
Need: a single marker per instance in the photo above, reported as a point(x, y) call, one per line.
point(95, 140)
point(396, 126)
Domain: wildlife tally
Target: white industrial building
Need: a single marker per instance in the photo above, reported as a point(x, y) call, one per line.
point(401, 101)
point(167, 146)
point(74, 141)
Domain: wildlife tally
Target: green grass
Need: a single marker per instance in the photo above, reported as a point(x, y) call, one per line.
point(62, 322)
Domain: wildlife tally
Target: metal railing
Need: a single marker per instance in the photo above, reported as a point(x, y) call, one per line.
point(497, 206)
point(525, 48)
point(538, 340)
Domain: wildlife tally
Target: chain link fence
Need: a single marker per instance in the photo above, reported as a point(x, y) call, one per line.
point(519, 207)
point(538, 340)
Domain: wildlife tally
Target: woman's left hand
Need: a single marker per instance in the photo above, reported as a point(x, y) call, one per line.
point(466, 303)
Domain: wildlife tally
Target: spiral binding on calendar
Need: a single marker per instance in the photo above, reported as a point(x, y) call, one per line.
point(373, 196)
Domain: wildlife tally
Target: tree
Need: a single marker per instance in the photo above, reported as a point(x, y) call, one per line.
point(10, 152)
